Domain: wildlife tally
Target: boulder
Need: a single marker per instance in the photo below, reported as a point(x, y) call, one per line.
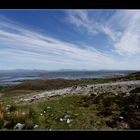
point(69, 121)
point(36, 126)
point(19, 126)
point(61, 120)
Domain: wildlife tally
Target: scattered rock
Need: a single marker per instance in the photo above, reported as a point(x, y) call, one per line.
point(61, 119)
point(21, 100)
point(123, 87)
point(41, 114)
point(68, 121)
point(121, 117)
point(36, 126)
point(48, 107)
point(19, 126)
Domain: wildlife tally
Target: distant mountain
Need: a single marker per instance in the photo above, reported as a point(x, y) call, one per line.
point(23, 70)
point(59, 70)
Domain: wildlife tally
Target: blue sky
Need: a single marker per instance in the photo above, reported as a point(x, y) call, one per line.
point(70, 39)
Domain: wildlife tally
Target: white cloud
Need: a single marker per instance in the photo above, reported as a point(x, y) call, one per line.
point(80, 18)
point(23, 47)
point(122, 28)
point(18, 43)
point(129, 42)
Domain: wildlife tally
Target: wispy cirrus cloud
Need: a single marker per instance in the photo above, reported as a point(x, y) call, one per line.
point(81, 18)
point(129, 42)
point(22, 47)
point(122, 28)
point(26, 46)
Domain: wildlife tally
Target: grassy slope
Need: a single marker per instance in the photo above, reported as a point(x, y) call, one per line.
point(83, 118)
point(87, 113)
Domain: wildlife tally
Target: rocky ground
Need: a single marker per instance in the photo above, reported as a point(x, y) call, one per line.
point(97, 89)
point(114, 105)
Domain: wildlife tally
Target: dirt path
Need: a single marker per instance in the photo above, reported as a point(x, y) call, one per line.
point(116, 88)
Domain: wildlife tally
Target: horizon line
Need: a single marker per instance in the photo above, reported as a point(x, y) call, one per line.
point(70, 69)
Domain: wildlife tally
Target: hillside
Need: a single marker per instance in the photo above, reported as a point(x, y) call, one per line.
point(110, 104)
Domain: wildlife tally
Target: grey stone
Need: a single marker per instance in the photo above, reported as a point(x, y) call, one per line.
point(36, 126)
point(116, 87)
point(61, 119)
point(48, 107)
point(121, 117)
point(69, 121)
point(19, 126)
point(21, 100)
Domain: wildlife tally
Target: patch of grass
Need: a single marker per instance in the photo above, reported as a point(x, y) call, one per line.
point(59, 113)
point(13, 107)
point(118, 111)
point(45, 84)
point(29, 123)
point(84, 113)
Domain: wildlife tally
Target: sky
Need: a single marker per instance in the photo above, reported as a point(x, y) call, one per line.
point(70, 39)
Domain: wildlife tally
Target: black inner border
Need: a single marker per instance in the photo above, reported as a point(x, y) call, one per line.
point(69, 4)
